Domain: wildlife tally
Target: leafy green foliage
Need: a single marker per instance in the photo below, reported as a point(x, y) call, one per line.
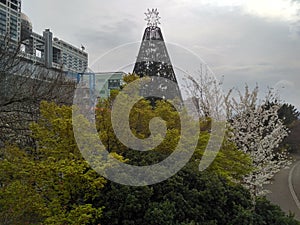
point(54, 185)
point(266, 213)
point(288, 114)
point(187, 198)
point(230, 162)
point(51, 184)
point(290, 117)
point(292, 142)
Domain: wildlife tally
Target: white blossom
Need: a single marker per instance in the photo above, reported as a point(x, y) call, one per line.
point(258, 131)
point(254, 126)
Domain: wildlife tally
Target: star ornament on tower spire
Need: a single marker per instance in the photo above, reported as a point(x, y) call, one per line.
point(152, 17)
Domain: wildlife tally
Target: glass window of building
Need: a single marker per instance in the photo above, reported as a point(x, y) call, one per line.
point(2, 22)
point(3, 2)
point(114, 84)
point(13, 27)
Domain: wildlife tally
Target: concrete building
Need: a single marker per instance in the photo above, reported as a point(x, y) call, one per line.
point(51, 51)
point(10, 19)
point(43, 49)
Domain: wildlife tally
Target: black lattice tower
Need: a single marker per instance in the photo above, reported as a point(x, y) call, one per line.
point(153, 60)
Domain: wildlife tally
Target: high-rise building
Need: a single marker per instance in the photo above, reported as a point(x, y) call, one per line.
point(10, 19)
point(44, 49)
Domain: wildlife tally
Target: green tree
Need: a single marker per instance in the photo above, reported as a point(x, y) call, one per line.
point(230, 161)
point(187, 198)
point(51, 184)
point(288, 114)
point(290, 117)
point(292, 142)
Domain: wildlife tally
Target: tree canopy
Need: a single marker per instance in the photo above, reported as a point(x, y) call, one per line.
point(51, 183)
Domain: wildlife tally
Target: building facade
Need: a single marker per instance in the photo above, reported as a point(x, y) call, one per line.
point(100, 84)
point(43, 49)
point(10, 19)
point(54, 53)
point(51, 51)
point(107, 81)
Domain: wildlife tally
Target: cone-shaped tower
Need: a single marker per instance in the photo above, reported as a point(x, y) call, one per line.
point(153, 60)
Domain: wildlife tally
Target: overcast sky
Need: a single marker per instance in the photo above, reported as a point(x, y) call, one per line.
point(244, 41)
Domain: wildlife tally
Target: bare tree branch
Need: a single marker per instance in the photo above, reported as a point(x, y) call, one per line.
point(23, 85)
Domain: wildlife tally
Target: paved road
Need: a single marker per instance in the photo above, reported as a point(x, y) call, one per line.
point(285, 189)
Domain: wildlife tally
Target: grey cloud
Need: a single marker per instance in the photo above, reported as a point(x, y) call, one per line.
point(110, 35)
point(242, 47)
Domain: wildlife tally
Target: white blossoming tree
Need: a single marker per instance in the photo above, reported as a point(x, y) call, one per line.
point(257, 131)
point(255, 126)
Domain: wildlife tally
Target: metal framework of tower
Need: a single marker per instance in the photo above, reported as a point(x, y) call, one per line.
point(153, 60)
